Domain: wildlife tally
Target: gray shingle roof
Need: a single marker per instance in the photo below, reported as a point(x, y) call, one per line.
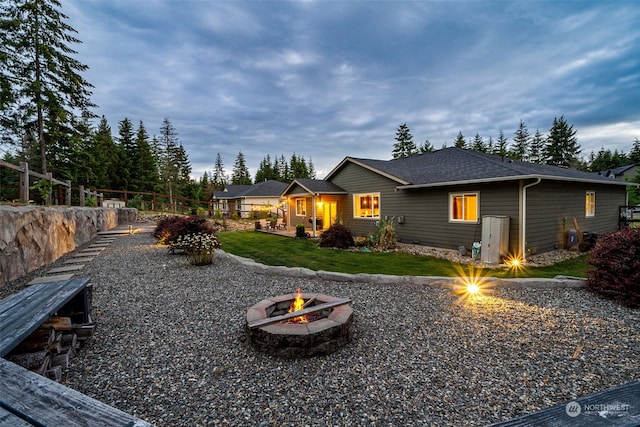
point(456, 165)
point(268, 188)
point(317, 186)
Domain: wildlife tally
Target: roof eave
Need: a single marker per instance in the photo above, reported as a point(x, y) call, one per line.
point(365, 166)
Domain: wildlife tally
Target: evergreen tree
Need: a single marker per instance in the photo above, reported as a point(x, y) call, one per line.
point(536, 148)
point(240, 173)
point(311, 169)
point(219, 180)
point(426, 147)
point(145, 168)
point(40, 80)
point(404, 147)
point(460, 142)
point(106, 159)
point(265, 170)
point(174, 163)
point(478, 144)
point(562, 148)
point(490, 145)
point(298, 167)
point(501, 149)
point(634, 154)
point(127, 144)
point(519, 149)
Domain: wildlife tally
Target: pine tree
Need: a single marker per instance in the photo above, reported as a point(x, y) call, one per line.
point(311, 169)
point(145, 168)
point(562, 148)
point(501, 149)
point(634, 154)
point(240, 173)
point(404, 147)
point(219, 180)
point(265, 170)
point(46, 87)
point(298, 167)
point(478, 144)
point(460, 142)
point(128, 146)
point(426, 147)
point(536, 148)
point(519, 149)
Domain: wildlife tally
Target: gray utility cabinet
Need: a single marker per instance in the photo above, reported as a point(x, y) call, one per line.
point(495, 238)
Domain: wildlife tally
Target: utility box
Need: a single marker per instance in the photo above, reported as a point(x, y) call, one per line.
point(495, 238)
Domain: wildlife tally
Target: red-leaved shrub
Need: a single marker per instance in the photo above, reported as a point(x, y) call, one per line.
point(170, 228)
point(336, 236)
point(616, 258)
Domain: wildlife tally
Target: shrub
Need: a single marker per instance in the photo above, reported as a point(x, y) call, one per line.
point(616, 258)
point(336, 236)
point(199, 247)
point(170, 228)
point(385, 235)
point(300, 231)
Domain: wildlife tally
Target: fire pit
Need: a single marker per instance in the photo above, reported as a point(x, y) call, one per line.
point(300, 325)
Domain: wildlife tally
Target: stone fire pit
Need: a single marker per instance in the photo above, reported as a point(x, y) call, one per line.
point(272, 329)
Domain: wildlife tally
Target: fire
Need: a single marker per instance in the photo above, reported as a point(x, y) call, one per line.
point(297, 305)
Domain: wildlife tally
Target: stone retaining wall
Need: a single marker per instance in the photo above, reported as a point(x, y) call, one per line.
point(33, 236)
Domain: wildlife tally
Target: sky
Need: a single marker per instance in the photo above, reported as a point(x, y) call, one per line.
point(326, 79)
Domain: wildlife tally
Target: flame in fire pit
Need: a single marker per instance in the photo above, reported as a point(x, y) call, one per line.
point(297, 305)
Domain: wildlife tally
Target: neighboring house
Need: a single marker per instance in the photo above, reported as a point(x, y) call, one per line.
point(249, 201)
point(625, 173)
point(440, 199)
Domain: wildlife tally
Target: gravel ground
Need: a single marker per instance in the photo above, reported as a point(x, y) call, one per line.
point(170, 348)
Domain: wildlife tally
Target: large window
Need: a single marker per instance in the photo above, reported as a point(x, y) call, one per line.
point(463, 207)
point(590, 204)
point(301, 207)
point(366, 205)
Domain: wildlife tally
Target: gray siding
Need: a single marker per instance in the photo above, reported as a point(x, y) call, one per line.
point(552, 206)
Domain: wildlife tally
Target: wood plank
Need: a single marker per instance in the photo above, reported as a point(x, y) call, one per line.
point(9, 419)
point(52, 404)
point(303, 312)
point(23, 312)
point(50, 279)
point(616, 406)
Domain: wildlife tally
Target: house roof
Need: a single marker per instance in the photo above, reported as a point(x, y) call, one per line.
point(315, 186)
point(268, 188)
point(615, 172)
point(450, 166)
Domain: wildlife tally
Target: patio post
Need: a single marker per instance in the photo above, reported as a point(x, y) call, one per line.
point(313, 210)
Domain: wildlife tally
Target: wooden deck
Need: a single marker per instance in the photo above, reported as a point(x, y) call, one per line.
point(616, 406)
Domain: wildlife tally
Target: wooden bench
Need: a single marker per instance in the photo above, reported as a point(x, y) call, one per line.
point(615, 406)
point(29, 399)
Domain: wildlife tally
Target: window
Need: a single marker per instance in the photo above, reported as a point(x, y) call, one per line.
point(590, 204)
point(366, 205)
point(301, 207)
point(463, 207)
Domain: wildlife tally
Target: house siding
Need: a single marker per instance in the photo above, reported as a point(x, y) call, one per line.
point(426, 211)
point(552, 206)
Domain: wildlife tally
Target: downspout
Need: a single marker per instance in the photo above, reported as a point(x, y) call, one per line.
point(523, 233)
point(313, 210)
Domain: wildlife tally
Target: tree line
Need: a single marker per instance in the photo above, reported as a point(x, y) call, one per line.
point(559, 147)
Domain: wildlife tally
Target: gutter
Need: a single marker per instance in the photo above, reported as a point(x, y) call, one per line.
point(523, 221)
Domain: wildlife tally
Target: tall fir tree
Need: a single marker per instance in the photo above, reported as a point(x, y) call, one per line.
point(519, 149)
point(634, 154)
point(219, 180)
point(460, 142)
point(536, 148)
point(46, 90)
point(478, 144)
point(127, 144)
point(502, 145)
point(404, 146)
point(265, 171)
point(240, 173)
point(426, 147)
point(562, 148)
point(145, 168)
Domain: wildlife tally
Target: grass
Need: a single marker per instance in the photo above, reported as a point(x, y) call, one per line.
point(271, 249)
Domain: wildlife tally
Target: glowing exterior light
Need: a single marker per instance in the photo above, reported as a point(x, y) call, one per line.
point(473, 288)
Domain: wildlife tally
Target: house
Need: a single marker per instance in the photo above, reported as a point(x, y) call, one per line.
point(625, 173)
point(443, 198)
point(250, 201)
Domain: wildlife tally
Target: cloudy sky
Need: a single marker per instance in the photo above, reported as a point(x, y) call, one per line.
point(329, 79)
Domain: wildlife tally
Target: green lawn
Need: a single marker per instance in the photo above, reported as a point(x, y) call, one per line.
point(271, 249)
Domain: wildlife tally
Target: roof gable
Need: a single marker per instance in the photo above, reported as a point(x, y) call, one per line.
point(314, 186)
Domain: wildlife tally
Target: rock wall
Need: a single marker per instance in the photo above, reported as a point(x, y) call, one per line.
point(33, 236)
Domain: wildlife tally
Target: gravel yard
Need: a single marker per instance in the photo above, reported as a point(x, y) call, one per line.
point(170, 348)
